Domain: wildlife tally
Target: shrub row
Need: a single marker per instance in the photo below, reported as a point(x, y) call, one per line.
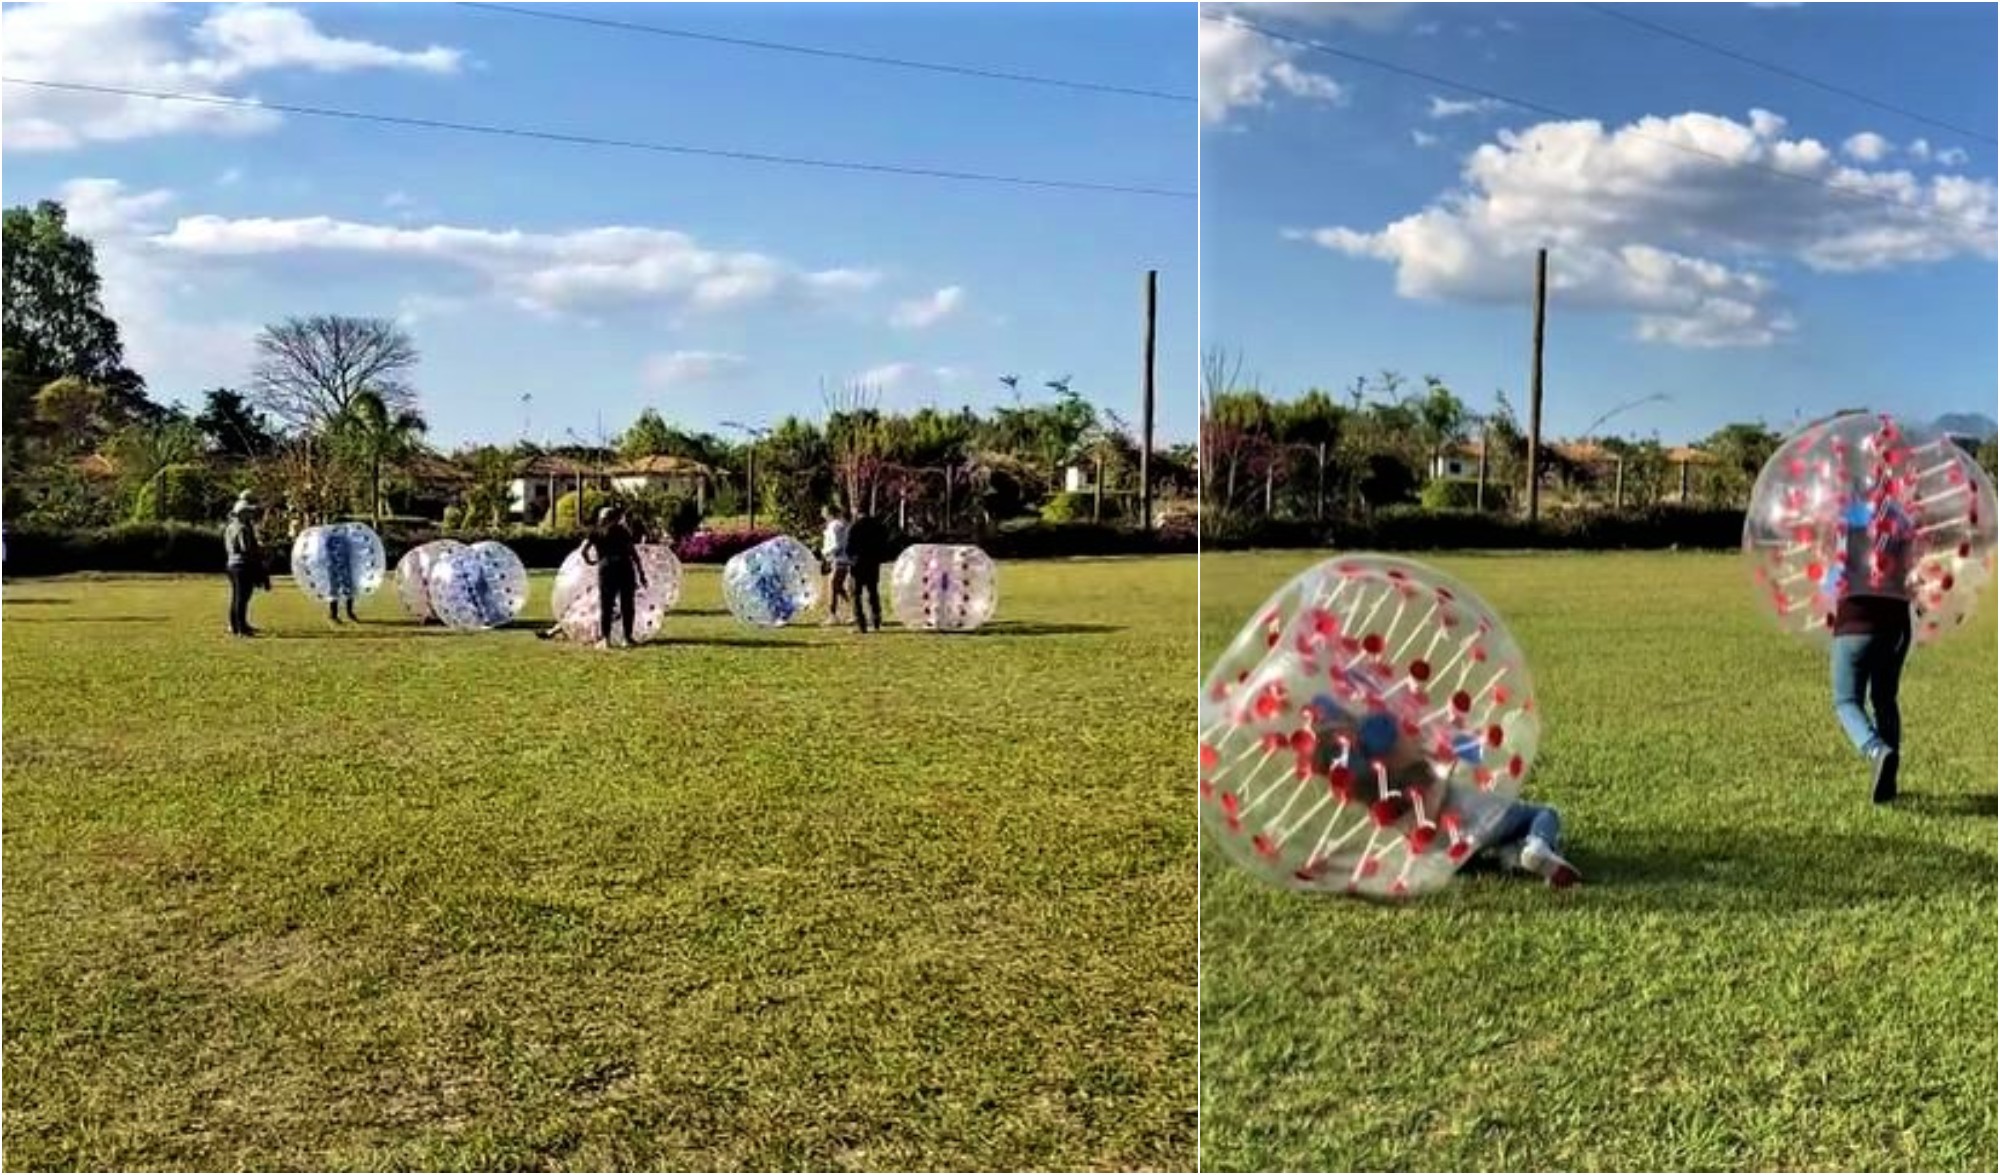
point(1409, 528)
point(184, 548)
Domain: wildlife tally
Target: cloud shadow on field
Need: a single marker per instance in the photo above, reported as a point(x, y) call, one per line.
point(1748, 871)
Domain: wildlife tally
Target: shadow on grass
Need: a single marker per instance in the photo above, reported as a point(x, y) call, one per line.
point(92, 619)
point(1973, 805)
point(364, 631)
point(36, 600)
point(1749, 871)
point(1020, 628)
point(725, 642)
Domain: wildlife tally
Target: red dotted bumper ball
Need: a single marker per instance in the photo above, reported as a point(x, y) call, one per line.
point(1364, 730)
point(1864, 504)
point(944, 588)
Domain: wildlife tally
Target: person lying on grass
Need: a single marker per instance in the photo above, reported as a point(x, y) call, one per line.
point(1527, 838)
point(1515, 835)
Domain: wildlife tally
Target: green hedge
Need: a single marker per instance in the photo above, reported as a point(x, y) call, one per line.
point(1447, 494)
point(1068, 508)
point(1408, 528)
point(178, 548)
point(181, 493)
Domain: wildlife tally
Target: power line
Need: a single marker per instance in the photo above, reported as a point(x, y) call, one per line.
point(835, 54)
point(1558, 112)
point(1784, 71)
point(472, 128)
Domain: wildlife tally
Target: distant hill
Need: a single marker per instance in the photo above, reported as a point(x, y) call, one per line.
point(1967, 424)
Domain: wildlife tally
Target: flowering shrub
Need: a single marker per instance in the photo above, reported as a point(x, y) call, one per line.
point(716, 546)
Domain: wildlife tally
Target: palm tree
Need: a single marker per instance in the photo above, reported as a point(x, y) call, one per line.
point(145, 452)
point(377, 436)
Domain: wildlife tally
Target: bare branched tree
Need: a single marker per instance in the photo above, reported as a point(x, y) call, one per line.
point(854, 433)
point(309, 370)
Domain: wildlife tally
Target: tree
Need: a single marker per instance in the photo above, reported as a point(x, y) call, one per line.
point(1740, 451)
point(1989, 455)
point(309, 370)
point(1443, 417)
point(54, 319)
point(649, 436)
point(232, 428)
point(373, 435)
point(487, 497)
point(144, 452)
point(74, 413)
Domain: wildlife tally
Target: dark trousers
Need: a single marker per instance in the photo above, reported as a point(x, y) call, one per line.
point(837, 588)
point(867, 595)
point(617, 590)
point(240, 586)
point(1867, 675)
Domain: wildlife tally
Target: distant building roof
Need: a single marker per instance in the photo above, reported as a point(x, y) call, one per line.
point(552, 465)
point(659, 465)
point(436, 470)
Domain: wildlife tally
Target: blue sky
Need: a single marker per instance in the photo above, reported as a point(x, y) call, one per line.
point(1352, 222)
point(734, 290)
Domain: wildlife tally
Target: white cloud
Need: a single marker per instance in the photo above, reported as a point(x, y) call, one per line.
point(1423, 138)
point(146, 294)
point(902, 378)
point(920, 313)
point(1920, 150)
point(143, 47)
point(230, 177)
point(1368, 16)
point(1453, 108)
point(398, 199)
point(1867, 147)
point(672, 370)
point(1503, 25)
point(1429, 28)
point(577, 270)
point(1244, 70)
point(1670, 236)
point(1953, 157)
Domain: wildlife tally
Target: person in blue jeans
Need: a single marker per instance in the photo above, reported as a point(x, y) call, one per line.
point(1523, 837)
point(1871, 640)
point(1528, 838)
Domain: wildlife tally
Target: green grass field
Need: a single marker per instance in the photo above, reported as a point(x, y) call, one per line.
point(1762, 971)
point(386, 897)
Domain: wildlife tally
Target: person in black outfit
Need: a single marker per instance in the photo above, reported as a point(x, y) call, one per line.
point(613, 550)
point(867, 550)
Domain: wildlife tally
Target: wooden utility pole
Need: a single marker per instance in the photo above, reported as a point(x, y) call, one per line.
point(1319, 498)
point(1535, 388)
point(1618, 487)
point(1146, 414)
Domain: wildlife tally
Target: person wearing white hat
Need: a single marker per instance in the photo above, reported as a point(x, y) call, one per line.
point(245, 562)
